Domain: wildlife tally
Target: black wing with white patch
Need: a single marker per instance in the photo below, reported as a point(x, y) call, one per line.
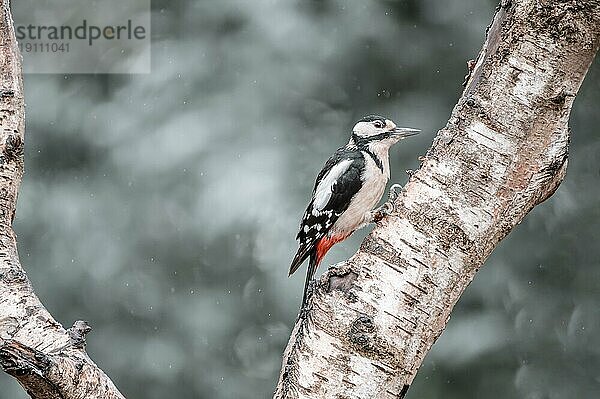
point(336, 184)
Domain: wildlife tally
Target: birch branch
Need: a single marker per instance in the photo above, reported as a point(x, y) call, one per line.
point(373, 318)
point(47, 360)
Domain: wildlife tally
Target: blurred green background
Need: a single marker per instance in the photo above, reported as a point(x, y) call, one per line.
point(162, 208)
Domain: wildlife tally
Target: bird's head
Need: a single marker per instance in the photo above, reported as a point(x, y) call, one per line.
point(373, 129)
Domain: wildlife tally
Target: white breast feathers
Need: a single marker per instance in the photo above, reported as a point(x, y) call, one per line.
point(365, 200)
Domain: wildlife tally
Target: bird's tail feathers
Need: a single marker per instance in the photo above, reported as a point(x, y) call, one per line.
point(310, 272)
point(300, 257)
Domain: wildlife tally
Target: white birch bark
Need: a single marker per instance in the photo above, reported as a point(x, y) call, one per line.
point(373, 318)
point(47, 360)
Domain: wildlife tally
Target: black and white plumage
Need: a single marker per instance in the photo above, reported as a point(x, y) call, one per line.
point(347, 190)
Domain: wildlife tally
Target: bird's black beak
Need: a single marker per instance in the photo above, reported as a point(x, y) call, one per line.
point(403, 132)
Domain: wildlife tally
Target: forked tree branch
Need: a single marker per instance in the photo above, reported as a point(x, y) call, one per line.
point(47, 360)
point(373, 318)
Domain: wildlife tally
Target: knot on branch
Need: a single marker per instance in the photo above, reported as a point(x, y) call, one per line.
point(8, 327)
point(360, 331)
point(554, 166)
point(560, 97)
point(13, 150)
point(13, 275)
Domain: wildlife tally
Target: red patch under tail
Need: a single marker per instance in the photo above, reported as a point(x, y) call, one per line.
point(326, 243)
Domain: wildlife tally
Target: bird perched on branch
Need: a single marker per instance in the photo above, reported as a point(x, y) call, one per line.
point(347, 190)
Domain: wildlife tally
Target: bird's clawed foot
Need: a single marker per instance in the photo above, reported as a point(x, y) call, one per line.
point(387, 208)
point(394, 192)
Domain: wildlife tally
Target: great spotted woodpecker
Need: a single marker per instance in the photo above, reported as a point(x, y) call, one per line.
point(346, 191)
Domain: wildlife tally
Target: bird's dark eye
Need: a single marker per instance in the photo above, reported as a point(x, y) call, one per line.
point(378, 124)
